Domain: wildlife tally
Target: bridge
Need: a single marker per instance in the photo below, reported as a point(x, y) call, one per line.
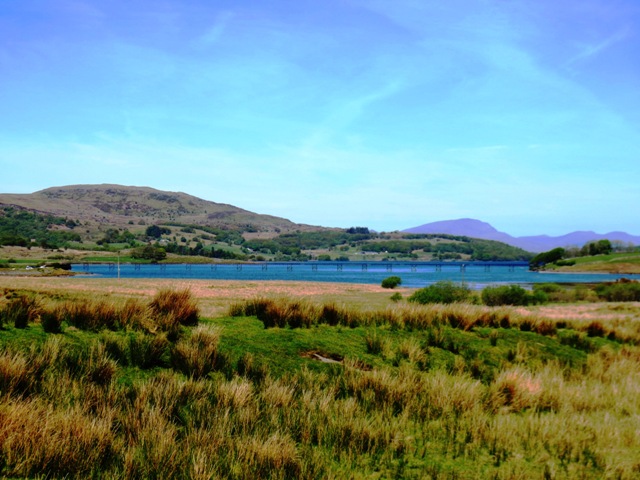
point(388, 266)
point(413, 266)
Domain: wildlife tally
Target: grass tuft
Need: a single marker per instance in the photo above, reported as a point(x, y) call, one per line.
point(198, 355)
point(177, 303)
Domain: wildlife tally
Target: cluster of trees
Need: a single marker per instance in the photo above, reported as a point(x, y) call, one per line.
point(359, 237)
point(149, 252)
point(561, 257)
point(25, 229)
point(113, 235)
point(201, 250)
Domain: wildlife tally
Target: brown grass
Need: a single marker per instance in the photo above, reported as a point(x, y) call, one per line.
point(214, 296)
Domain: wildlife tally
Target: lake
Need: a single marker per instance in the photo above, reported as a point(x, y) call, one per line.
point(413, 274)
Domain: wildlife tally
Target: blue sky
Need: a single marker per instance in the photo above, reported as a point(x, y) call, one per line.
point(380, 113)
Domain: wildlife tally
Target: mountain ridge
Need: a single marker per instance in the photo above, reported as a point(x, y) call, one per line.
point(100, 206)
point(534, 243)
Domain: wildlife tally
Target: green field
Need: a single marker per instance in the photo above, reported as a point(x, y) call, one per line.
point(137, 383)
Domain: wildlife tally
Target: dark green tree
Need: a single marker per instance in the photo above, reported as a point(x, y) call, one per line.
point(542, 259)
point(149, 252)
point(391, 282)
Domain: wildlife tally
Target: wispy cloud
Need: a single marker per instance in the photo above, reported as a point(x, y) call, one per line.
point(589, 51)
point(215, 32)
point(347, 113)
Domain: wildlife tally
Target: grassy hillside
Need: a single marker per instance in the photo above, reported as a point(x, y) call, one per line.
point(625, 263)
point(99, 207)
point(111, 218)
point(135, 386)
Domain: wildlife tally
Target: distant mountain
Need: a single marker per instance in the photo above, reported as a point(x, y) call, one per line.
point(539, 243)
point(103, 206)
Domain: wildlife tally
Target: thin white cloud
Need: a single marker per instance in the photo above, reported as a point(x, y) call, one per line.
point(347, 113)
point(216, 31)
point(589, 51)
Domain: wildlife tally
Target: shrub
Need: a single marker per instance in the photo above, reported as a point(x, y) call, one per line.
point(391, 282)
point(442, 292)
point(505, 295)
point(396, 297)
point(620, 291)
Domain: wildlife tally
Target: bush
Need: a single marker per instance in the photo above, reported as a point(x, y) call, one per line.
point(442, 292)
point(391, 282)
point(621, 291)
point(396, 297)
point(506, 295)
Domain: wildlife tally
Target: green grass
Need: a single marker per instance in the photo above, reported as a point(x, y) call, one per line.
point(286, 349)
point(615, 263)
point(449, 398)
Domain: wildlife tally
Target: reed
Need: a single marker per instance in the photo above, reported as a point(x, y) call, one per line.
point(20, 311)
point(198, 355)
point(179, 304)
point(36, 438)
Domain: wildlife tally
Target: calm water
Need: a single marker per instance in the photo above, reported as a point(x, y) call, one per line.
point(412, 274)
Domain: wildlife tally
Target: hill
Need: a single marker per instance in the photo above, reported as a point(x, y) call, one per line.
point(537, 243)
point(149, 224)
point(118, 206)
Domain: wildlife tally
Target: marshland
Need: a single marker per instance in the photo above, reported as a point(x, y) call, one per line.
point(101, 378)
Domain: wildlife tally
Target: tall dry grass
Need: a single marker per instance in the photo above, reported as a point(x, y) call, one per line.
point(71, 409)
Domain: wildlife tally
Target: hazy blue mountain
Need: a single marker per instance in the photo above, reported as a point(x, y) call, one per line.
point(537, 243)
